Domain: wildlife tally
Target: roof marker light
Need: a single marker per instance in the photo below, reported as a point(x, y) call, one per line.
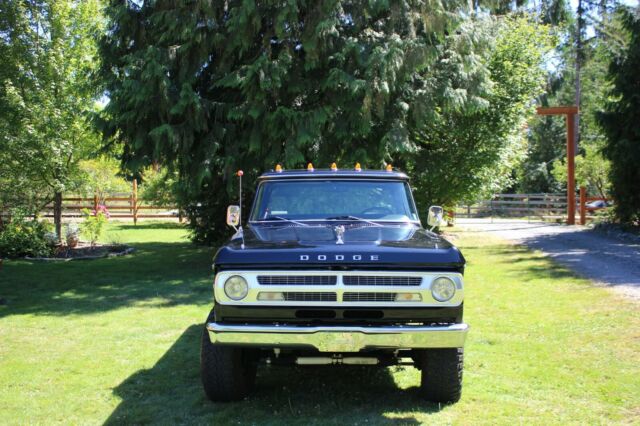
point(278, 168)
point(358, 168)
point(334, 167)
point(310, 167)
point(389, 168)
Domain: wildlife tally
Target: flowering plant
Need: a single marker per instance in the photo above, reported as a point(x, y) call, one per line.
point(101, 209)
point(94, 222)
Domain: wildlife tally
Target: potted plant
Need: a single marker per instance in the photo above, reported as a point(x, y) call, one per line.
point(72, 235)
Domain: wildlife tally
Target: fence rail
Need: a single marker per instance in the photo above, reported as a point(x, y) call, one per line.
point(119, 205)
point(539, 205)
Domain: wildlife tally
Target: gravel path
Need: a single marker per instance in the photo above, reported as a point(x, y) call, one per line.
point(603, 259)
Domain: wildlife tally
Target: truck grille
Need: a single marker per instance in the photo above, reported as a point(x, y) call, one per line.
point(317, 296)
point(297, 279)
point(369, 297)
point(381, 281)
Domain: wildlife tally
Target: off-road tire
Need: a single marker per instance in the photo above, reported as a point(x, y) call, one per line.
point(228, 373)
point(441, 374)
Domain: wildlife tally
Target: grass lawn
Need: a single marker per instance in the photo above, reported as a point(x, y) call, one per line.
point(117, 341)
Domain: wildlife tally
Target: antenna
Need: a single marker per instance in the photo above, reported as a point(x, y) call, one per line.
point(240, 173)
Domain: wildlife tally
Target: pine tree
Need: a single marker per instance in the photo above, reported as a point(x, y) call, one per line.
point(207, 88)
point(620, 123)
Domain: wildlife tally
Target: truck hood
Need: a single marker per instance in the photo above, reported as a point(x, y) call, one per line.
point(364, 246)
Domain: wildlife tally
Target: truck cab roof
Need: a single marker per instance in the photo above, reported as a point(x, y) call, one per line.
point(328, 173)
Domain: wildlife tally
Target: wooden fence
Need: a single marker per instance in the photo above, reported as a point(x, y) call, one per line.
point(546, 206)
point(119, 205)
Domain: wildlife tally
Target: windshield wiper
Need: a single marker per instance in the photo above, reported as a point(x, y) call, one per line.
point(350, 217)
point(270, 218)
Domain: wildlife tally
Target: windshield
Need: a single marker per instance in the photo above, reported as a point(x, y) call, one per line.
point(334, 200)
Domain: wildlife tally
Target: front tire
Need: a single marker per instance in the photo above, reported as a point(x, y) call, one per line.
point(441, 374)
point(228, 373)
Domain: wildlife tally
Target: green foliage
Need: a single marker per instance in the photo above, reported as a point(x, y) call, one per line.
point(620, 123)
point(24, 236)
point(471, 145)
point(159, 187)
point(93, 224)
point(47, 88)
point(100, 176)
point(589, 54)
point(206, 88)
point(592, 171)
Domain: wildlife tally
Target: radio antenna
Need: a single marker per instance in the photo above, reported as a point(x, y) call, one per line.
point(240, 173)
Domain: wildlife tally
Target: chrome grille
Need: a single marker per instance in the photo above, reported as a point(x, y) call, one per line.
point(369, 297)
point(316, 296)
point(297, 279)
point(381, 281)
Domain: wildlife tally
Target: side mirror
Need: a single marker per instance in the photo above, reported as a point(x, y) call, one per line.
point(436, 216)
point(233, 216)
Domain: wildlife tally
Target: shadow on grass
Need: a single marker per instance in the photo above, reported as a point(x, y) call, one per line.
point(538, 267)
point(171, 392)
point(150, 225)
point(163, 274)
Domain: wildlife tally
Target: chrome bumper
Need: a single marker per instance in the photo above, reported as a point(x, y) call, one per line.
point(339, 338)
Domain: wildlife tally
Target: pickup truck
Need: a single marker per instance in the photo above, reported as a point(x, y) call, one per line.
point(334, 267)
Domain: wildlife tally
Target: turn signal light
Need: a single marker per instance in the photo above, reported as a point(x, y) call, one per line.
point(358, 168)
point(408, 297)
point(310, 167)
point(270, 295)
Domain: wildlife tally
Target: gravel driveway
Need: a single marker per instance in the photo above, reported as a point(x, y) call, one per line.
point(603, 259)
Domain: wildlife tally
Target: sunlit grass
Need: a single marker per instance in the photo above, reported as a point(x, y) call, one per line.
point(117, 340)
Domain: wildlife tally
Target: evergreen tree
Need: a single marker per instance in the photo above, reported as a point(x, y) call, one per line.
point(207, 88)
point(620, 123)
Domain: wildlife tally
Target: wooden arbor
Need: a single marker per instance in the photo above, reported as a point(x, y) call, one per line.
point(569, 112)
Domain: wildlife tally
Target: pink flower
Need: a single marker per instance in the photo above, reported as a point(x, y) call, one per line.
point(101, 209)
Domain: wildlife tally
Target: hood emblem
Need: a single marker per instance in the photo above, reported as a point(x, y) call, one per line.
point(339, 230)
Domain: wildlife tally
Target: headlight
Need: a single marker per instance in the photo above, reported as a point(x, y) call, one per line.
point(236, 287)
point(443, 289)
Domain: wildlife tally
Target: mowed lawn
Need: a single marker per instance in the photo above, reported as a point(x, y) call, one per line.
point(117, 341)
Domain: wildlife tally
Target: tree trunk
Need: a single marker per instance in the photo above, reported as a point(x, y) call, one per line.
point(578, 66)
point(57, 214)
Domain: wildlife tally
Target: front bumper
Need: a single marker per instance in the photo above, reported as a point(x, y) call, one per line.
point(339, 338)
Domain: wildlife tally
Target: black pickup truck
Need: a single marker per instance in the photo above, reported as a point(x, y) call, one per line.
point(334, 267)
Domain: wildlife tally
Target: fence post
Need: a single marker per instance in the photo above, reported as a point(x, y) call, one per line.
point(135, 201)
point(95, 203)
point(57, 214)
point(583, 205)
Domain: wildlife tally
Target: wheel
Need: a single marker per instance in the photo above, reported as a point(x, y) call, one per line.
point(228, 373)
point(441, 374)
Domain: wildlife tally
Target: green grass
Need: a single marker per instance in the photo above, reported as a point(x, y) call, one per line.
point(117, 341)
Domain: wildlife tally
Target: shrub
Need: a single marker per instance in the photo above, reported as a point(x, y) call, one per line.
point(23, 236)
point(94, 222)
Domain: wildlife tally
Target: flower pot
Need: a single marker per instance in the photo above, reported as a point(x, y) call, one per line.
point(72, 241)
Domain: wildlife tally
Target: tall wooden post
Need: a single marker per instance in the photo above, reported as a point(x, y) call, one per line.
point(95, 204)
point(135, 201)
point(569, 112)
point(571, 169)
point(583, 205)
